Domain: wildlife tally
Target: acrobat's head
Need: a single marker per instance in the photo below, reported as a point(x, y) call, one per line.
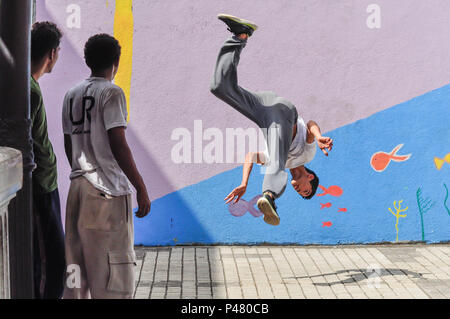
point(304, 181)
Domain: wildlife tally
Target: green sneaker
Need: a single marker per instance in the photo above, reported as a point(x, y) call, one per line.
point(267, 206)
point(237, 25)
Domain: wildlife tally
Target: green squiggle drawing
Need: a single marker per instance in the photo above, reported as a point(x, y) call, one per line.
point(424, 204)
point(445, 200)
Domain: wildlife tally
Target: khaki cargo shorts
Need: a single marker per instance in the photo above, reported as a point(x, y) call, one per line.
point(99, 244)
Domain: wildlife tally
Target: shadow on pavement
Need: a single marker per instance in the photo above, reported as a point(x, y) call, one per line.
point(357, 275)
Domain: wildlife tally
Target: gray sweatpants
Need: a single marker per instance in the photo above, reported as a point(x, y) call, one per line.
point(273, 114)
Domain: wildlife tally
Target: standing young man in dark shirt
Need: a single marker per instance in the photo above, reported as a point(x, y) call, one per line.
point(48, 236)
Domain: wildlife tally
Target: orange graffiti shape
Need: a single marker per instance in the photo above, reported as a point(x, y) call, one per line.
point(333, 190)
point(380, 160)
point(326, 205)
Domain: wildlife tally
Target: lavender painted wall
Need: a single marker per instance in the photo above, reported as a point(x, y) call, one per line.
point(319, 54)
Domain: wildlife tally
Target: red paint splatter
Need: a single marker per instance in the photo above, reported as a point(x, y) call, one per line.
point(333, 190)
point(326, 205)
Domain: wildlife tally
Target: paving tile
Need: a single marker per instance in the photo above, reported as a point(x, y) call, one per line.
point(311, 272)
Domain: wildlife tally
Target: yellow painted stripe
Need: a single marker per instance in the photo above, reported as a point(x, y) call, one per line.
point(123, 32)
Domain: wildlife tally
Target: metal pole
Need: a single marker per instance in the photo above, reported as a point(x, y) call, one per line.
point(15, 132)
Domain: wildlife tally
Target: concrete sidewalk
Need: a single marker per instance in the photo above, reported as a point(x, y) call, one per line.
point(369, 271)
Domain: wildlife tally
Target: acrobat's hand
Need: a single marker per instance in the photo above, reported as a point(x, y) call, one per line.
point(325, 143)
point(238, 192)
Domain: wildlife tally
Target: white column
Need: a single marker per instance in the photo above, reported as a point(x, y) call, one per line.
point(10, 183)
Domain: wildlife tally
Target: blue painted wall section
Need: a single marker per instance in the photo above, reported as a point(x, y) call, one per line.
point(198, 214)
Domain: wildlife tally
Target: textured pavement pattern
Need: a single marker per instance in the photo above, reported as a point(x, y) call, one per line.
point(241, 272)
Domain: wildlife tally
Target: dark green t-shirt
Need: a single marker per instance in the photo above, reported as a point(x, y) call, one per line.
point(45, 174)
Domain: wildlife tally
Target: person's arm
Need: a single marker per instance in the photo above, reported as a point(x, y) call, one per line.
point(35, 101)
point(124, 158)
point(67, 129)
point(68, 148)
point(239, 191)
point(37, 122)
point(313, 132)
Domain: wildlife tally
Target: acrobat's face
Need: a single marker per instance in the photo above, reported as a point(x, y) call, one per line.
point(302, 184)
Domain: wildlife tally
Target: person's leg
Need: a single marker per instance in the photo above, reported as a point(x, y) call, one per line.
point(38, 249)
point(52, 244)
point(107, 221)
point(76, 286)
point(279, 139)
point(225, 86)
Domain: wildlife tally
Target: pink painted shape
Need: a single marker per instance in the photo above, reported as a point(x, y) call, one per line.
point(242, 206)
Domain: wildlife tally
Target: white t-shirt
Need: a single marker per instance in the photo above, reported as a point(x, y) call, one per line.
point(89, 110)
point(300, 152)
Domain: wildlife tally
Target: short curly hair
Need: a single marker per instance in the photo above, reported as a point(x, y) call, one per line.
point(45, 36)
point(314, 184)
point(101, 51)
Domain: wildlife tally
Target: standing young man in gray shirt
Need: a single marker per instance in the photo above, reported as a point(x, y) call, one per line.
point(290, 143)
point(99, 221)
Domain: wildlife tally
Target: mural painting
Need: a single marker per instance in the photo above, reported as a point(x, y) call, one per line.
point(377, 121)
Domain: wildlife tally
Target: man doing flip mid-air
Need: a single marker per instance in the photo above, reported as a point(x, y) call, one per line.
point(291, 146)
